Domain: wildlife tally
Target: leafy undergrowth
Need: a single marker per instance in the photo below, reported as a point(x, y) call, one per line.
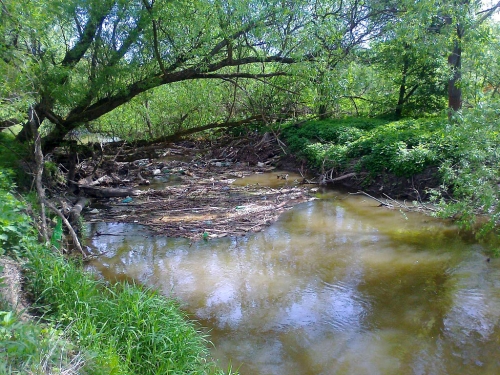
point(90, 327)
point(461, 158)
point(402, 148)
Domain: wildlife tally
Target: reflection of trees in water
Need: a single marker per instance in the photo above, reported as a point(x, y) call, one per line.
point(321, 287)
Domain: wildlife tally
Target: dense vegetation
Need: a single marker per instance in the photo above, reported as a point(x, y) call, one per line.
point(463, 158)
point(372, 87)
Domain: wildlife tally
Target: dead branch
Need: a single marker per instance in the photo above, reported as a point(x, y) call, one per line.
point(101, 180)
point(98, 164)
point(65, 221)
point(107, 192)
point(120, 150)
point(75, 212)
point(142, 180)
point(343, 177)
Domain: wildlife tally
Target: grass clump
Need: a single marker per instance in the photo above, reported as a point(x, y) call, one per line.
point(29, 348)
point(134, 330)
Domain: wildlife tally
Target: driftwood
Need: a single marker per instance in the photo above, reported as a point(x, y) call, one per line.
point(101, 180)
point(343, 177)
point(97, 192)
point(327, 177)
point(76, 211)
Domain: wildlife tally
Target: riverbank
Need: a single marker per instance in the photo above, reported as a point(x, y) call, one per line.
point(76, 323)
point(452, 163)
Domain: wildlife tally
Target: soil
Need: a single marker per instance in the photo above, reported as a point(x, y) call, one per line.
point(11, 287)
point(415, 188)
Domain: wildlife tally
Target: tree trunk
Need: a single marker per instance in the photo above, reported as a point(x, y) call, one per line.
point(455, 64)
point(35, 119)
point(323, 111)
point(402, 90)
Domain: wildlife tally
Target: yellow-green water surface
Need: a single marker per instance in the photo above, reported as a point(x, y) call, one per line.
point(337, 286)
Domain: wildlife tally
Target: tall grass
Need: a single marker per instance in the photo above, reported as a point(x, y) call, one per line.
point(130, 329)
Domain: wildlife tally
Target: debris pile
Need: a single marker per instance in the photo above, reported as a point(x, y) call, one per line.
point(185, 194)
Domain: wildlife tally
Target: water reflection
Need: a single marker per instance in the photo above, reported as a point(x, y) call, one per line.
point(337, 286)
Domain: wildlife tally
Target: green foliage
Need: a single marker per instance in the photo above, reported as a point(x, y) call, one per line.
point(57, 234)
point(466, 151)
point(471, 170)
point(27, 348)
point(12, 153)
point(403, 148)
point(327, 131)
point(14, 225)
point(133, 330)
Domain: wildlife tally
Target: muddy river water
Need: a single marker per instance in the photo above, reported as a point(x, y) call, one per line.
point(336, 286)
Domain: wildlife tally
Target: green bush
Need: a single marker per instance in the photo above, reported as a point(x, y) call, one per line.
point(14, 225)
point(403, 148)
point(471, 169)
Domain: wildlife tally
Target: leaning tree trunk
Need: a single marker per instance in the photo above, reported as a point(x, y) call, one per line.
point(35, 119)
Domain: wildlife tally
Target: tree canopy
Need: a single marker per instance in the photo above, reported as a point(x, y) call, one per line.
point(69, 63)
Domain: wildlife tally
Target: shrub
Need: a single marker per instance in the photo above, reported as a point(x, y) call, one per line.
point(403, 148)
point(14, 225)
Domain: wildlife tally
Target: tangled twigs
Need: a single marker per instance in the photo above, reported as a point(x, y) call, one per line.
point(41, 193)
point(392, 203)
point(65, 221)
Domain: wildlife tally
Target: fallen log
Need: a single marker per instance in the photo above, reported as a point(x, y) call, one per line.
point(101, 180)
point(336, 179)
point(97, 192)
point(75, 212)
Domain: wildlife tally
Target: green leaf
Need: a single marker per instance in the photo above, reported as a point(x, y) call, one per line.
point(57, 234)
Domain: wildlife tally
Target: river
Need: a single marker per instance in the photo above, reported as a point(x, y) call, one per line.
point(336, 286)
